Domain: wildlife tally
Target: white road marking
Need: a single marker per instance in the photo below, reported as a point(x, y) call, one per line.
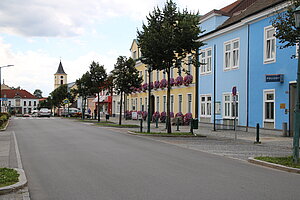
point(19, 161)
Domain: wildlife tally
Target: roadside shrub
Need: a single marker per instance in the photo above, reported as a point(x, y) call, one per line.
point(144, 115)
point(128, 114)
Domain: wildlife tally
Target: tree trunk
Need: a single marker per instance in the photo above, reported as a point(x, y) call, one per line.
point(98, 107)
point(121, 103)
point(169, 130)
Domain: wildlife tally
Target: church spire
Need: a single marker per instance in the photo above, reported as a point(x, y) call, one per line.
point(60, 69)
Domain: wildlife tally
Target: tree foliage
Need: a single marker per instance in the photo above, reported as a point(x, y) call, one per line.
point(125, 78)
point(284, 23)
point(58, 95)
point(38, 93)
point(169, 36)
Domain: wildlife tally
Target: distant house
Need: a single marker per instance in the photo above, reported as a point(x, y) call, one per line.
point(18, 101)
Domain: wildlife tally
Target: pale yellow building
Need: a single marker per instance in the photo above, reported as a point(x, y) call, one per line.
point(182, 96)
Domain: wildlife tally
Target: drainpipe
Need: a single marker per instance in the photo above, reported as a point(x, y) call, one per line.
point(214, 87)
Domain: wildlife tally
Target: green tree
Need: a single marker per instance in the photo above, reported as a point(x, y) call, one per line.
point(126, 78)
point(38, 93)
point(284, 22)
point(98, 77)
point(84, 89)
point(167, 38)
point(58, 95)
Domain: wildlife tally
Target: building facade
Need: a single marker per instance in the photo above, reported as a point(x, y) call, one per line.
point(242, 52)
point(182, 91)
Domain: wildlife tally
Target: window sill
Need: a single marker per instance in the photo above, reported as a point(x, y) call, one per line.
point(269, 61)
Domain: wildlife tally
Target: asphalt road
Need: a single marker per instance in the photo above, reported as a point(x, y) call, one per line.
point(66, 160)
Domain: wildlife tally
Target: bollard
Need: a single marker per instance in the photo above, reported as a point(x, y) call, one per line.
point(156, 123)
point(141, 125)
point(191, 126)
point(257, 134)
point(177, 124)
point(284, 129)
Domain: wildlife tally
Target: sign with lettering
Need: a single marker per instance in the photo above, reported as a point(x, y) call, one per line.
point(282, 106)
point(275, 78)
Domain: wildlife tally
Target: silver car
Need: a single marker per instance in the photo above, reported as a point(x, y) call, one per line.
point(44, 112)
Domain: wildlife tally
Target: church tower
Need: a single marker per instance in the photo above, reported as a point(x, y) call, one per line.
point(60, 77)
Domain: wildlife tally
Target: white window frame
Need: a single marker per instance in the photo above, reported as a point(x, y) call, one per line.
point(165, 103)
point(297, 49)
point(145, 77)
point(229, 104)
point(141, 104)
point(157, 75)
point(172, 103)
point(206, 61)
point(265, 92)
point(204, 105)
point(229, 53)
point(189, 105)
point(180, 103)
point(272, 59)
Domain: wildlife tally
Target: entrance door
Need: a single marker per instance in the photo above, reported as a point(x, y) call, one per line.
point(292, 105)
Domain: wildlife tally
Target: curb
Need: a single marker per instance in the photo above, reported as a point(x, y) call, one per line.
point(4, 129)
point(273, 165)
point(164, 135)
point(20, 184)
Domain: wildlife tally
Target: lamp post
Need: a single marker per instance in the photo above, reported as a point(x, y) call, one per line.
point(1, 85)
point(297, 108)
point(149, 96)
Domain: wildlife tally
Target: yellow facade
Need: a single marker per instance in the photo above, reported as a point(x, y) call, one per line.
point(182, 97)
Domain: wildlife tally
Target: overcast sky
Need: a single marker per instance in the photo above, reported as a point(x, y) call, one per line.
point(36, 34)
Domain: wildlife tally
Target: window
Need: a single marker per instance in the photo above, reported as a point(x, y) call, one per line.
point(146, 103)
point(29, 103)
point(141, 105)
point(136, 104)
point(134, 55)
point(157, 75)
point(269, 44)
point(189, 103)
point(180, 103)
point(157, 104)
point(172, 103)
point(205, 105)
point(297, 50)
point(61, 82)
point(190, 65)
point(164, 103)
point(231, 54)
point(269, 105)
point(24, 103)
point(141, 74)
point(164, 74)
point(34, 103)
point(151, 76)
point(172, 72)
point(132, 106)
point(205, 67)
point(145, 78)
point(230, 106)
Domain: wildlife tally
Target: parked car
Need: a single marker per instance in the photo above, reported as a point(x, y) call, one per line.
point(71, 112)
point(26, 115)
point(44, 112)
point(34, 113)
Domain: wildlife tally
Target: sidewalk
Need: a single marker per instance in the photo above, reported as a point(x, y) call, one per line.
point(7, 159)
point(222, 142)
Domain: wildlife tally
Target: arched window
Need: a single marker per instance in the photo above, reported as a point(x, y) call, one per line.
point(61, 82)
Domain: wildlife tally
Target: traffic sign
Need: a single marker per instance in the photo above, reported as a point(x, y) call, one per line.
point(66, 101)
point(234, 90)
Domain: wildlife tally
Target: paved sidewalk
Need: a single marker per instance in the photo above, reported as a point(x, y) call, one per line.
point(7, 151)
point(222, 142)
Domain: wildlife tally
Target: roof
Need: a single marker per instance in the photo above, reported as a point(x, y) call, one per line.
point(242, 9)
point(60, 69)
point(251, 7)
point(12, 93)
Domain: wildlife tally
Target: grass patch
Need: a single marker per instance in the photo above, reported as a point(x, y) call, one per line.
point(3, 125)
point(286, 161)
point(117, 125)
point(164, 133)
point(8, 177)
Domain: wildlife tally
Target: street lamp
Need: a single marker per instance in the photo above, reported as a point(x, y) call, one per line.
point(297, 108)
point(1, 85)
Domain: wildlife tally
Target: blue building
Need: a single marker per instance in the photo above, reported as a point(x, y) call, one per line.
point(244, 76)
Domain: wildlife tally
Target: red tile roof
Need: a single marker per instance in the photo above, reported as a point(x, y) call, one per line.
point(23, 94)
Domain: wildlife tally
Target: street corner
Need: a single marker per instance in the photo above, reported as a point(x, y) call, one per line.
point(273, 165)
point(19, 185)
